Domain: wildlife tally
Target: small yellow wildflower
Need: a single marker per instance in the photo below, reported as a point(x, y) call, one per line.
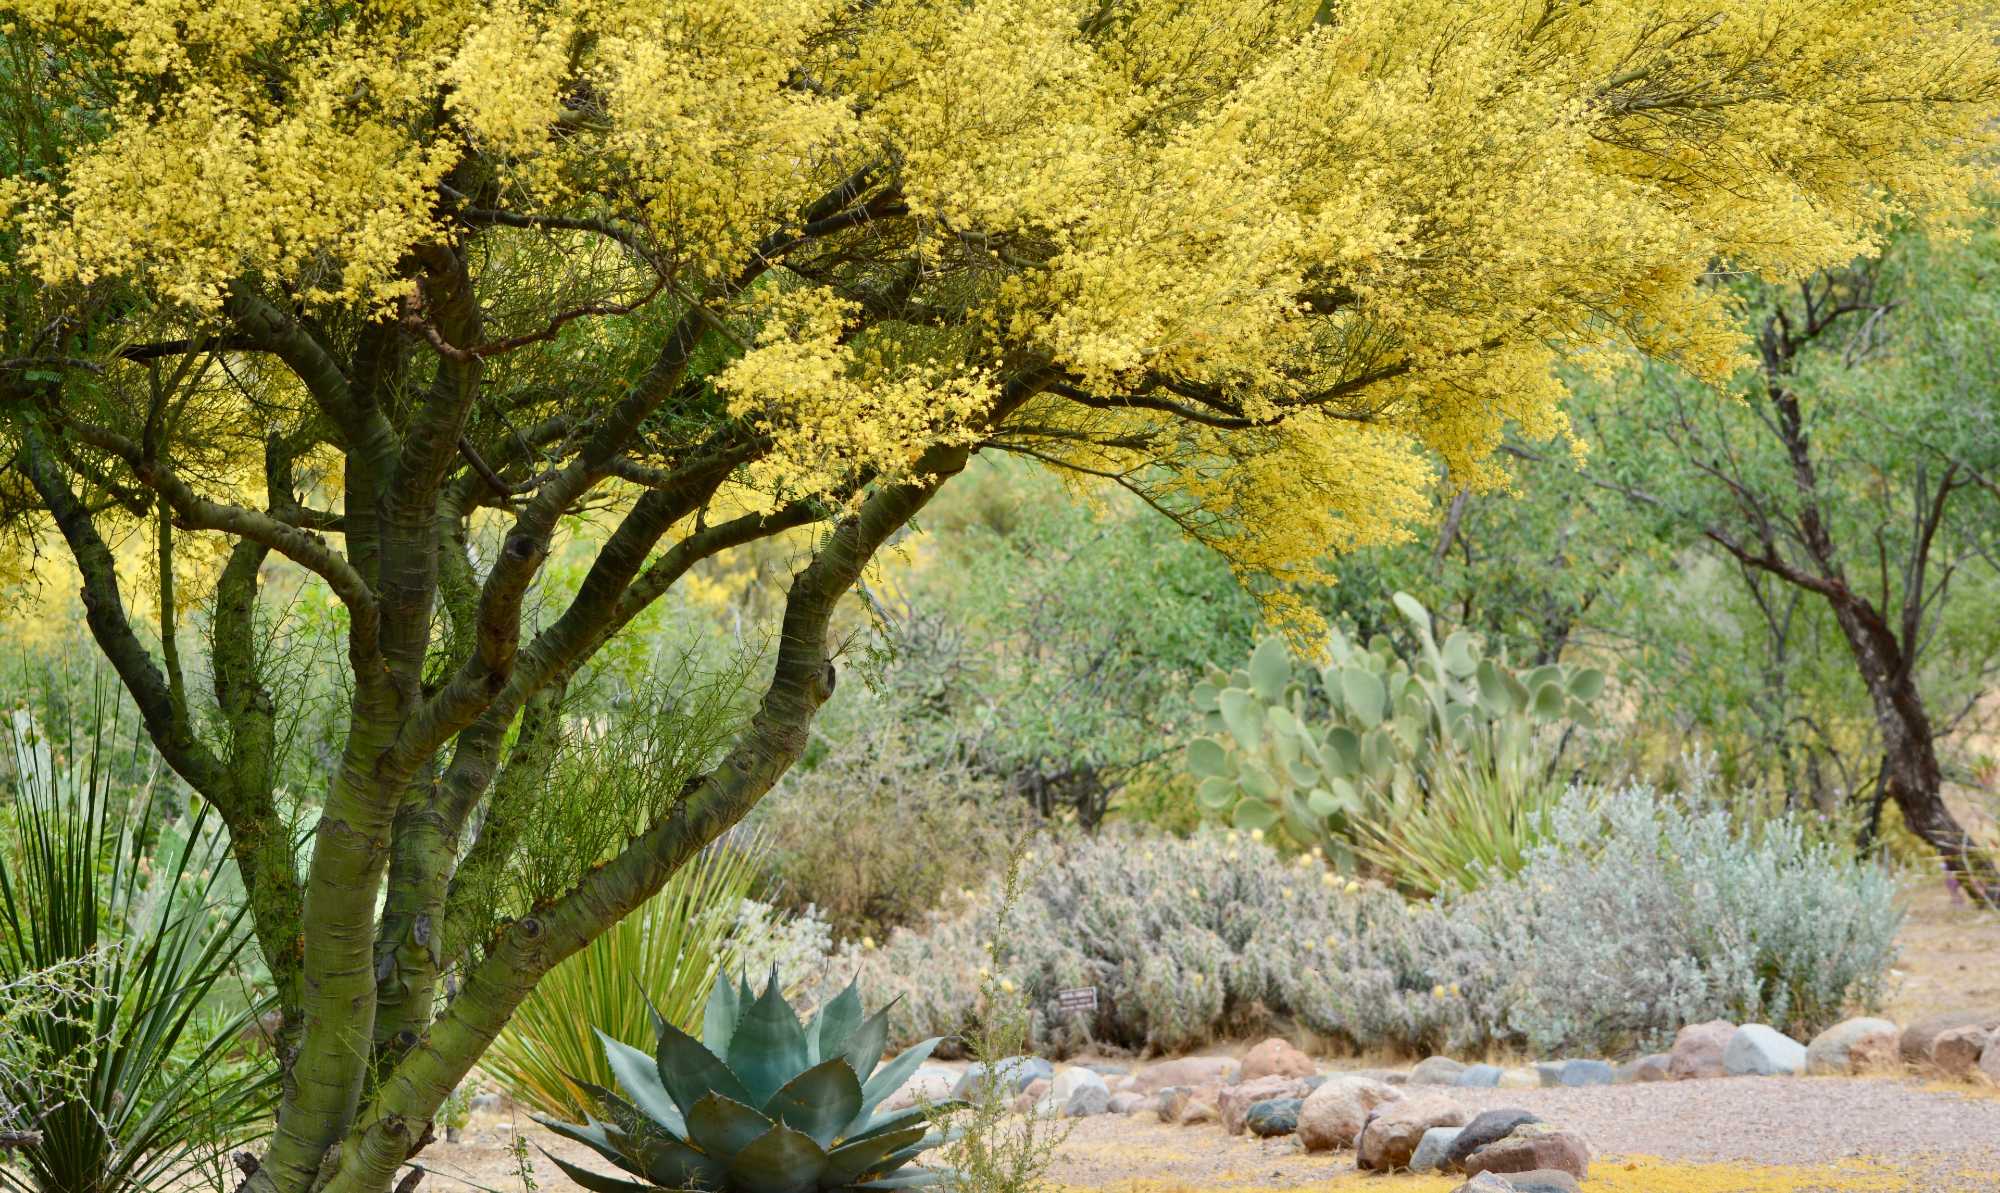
point(1437, 991)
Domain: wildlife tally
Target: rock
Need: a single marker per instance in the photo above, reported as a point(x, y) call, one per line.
point(1520, 1079)
point(1479, 1077)
point(1015, 1074)
point(1490, 1125)
point(1432, 1149)
point(1024, 1102)
point(1127, 1103)
point(1037, 1089)
point(1579, 1073)
point(1106, 1071)
point(1390, 1136)
point(1276, 1058)
point(1652, 1068)
point(1957, 1050)
point(1550, 1071)
point(930, 1083)
point(1436, 1070)
point(1076, 1092)
point(1854, 1046)
point(1625, 1072)
point(1315, 1081)
point(1334, 1113)
point(1385, 1076)
point(1698, 1050)
point(1236, 1100)
point(1989, 1060)
point(1201, 1107)
point(1187, 1070)
point(1757, 1050)
point(1919, 1037)
point(1173, 1101)
point(1279, 1116)
point(487, 1103)
point(1530, 1147)
point(1542, 1180)
point(1486, 1182)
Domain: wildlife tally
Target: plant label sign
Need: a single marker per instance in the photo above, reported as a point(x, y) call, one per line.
point(1076, 999)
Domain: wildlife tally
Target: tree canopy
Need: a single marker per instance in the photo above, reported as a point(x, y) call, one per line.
point(392, 289)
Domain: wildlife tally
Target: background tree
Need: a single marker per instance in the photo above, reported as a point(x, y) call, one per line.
point(398, 293)
point(1854, 478)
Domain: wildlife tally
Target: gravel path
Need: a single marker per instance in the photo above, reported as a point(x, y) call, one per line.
point(1776, 1121)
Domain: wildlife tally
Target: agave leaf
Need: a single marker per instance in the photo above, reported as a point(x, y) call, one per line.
point(838, 1020)
point(674, 1165)
point(691, 1072)
point(812, 1035)
point(897, 1120)
point(779, 1161)
point(822, 1102)
point(596, 1182)
point(918, 1147)
point(639, 1077)
point(851, 1161)
point(915, 1178)
point(593, 1135)
point(769, 1047)
point(718, 1021)
point(890, 1077)
point(723, 1126)
point(864, 1047)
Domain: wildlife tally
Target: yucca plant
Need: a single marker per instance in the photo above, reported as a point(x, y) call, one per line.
point(1475, 824)
point(762, 1103)
point(675, 946)
point(120, 1076)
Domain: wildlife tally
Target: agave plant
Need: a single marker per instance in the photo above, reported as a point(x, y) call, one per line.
point(762, 1103)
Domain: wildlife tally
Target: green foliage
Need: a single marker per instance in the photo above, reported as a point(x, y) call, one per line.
point(824, 829)
point(761, 1103)
point(665, 956)
point(1339, 757)
point(123, 926)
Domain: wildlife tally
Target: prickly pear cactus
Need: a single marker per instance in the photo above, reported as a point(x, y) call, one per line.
point(1312, 751)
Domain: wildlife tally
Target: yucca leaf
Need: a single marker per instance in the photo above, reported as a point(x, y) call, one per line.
point(890, 1077)
point(781, 1161)
point(723, 1126)
point(718, 1020)
point(821, 1102)
point(596, 1182)
point(639, 1077)
point(769, 1047)
point(691, 1072)
point(838, 1019)
point(851, 1161)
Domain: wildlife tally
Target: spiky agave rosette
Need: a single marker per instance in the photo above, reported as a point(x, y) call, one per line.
point(762, 1103)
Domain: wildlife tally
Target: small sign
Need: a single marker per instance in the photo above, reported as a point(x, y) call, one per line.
point(1077, 998)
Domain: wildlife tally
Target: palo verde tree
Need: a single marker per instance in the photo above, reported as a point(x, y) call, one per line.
point(390, 288)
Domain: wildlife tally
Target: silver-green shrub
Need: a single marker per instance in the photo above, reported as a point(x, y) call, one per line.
point(1642, 915)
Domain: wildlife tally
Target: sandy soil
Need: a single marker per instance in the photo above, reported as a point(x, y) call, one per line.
point(1950, 956)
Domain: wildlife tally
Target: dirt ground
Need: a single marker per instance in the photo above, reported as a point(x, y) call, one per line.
point(1736, 1136)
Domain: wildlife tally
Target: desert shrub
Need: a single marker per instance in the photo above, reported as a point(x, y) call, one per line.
point(1641, 915)
point(1710, 920)
point(875, 832)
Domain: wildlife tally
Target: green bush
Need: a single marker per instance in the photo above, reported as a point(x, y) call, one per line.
point(875, 833)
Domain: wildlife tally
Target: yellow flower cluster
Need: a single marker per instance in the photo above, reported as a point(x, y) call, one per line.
point(1284, 259)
